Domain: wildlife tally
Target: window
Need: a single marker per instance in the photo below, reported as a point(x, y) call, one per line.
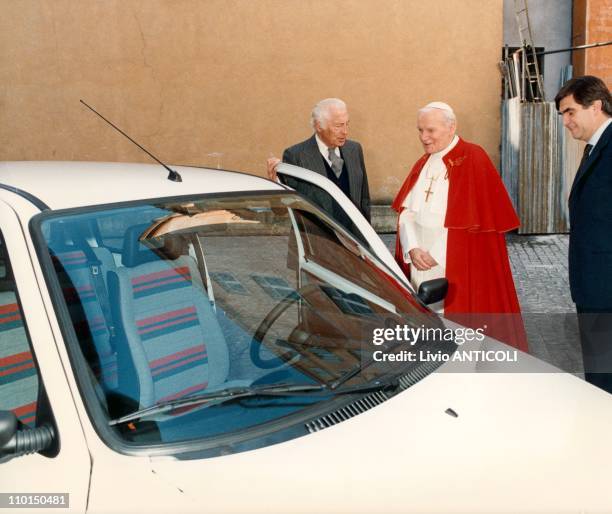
point(19, 381)
point(275, 287)
point(349, 303)
point(153, 339)
point(229, 282)
point(327, 203)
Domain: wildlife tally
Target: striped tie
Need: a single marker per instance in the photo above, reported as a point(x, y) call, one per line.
point(336, 162)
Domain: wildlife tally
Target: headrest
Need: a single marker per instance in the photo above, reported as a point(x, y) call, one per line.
point(134, 252)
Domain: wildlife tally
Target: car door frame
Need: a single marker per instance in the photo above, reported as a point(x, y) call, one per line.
point(376, 244)
point(69, 471)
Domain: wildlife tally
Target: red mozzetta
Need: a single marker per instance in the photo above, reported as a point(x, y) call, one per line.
point(479, 212)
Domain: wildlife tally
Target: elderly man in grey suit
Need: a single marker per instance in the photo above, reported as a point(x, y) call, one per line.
point(329, 153)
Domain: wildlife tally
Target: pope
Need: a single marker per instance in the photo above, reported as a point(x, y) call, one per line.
point(454, 212)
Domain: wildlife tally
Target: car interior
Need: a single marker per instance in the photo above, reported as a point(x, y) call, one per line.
point(19, 383)
point(172, 302)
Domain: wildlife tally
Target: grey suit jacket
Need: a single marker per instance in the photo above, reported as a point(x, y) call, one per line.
point(306, 155)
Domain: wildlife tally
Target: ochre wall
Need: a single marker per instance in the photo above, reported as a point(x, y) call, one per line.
point(592, 23)
point(228, 82)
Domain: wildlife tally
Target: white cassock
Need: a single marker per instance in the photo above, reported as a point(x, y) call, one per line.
point(421, 224)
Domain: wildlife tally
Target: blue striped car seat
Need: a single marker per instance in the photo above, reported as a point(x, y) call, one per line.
point(18, 377)
point(174, 339)
point(84, 288)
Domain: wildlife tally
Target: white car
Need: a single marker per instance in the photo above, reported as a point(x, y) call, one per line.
point(207, 346)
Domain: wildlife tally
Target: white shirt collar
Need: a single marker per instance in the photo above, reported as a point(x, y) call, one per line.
point(323, 148)
point(442, 153)
point(595, 137)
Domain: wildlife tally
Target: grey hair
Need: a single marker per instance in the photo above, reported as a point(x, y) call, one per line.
point(449, 115)
point(320, 112)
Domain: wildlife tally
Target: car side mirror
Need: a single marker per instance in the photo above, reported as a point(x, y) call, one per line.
point(16, 441)
point(8, 427)
point(433, 291)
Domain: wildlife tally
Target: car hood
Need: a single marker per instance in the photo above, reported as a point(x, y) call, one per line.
point(536, 441)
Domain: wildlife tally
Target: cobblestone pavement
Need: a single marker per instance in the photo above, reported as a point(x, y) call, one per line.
point(539, 267)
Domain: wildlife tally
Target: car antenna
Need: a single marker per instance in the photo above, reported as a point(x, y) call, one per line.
point(172, 175)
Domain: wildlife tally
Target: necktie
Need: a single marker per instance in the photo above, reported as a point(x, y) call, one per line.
point(585, 155)
point(336, 162)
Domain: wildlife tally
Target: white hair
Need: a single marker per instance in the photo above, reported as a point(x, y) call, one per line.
point(320, 112)
point(446, 109)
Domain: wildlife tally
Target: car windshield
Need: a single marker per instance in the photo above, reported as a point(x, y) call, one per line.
point(210, 316)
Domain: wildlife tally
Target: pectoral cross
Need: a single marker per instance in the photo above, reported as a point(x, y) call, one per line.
point(429, 192)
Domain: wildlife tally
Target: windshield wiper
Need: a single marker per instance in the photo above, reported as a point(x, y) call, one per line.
point(234, 393)
point(361, 367)
point(351, 373)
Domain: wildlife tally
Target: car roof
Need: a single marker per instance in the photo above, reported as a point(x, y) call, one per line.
point(61, 185)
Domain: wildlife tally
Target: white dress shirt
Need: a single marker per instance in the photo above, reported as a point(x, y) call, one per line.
point(598, 133)
point(324, 149)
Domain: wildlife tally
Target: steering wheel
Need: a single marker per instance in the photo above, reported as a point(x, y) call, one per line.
point(269, 320)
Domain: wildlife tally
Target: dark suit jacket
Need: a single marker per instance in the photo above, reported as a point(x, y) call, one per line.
point(306, 155)
point(590, 209)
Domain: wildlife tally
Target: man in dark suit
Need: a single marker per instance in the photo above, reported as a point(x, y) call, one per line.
point(329, 153)
point(586, 106)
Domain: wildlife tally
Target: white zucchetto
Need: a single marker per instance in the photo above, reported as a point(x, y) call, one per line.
point(440, 105)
